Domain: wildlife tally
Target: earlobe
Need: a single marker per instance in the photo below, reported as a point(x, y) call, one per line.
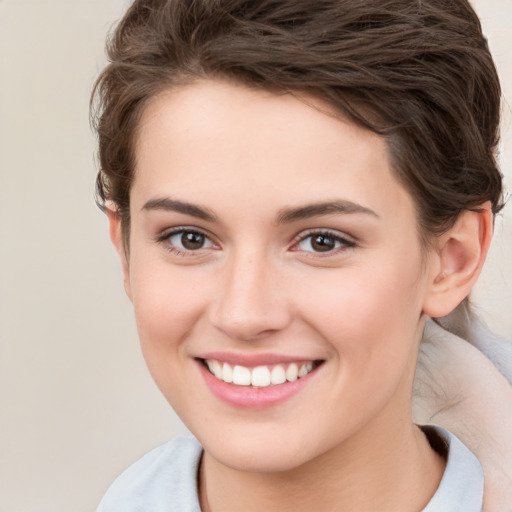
point(116, 236)
point(458, 261)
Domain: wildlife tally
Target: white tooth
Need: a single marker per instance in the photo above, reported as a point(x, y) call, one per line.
point(278, 375)
point(303, 370)
point(292, 372)
point(309, 366)
point(241, 376)
point(215, 368)
point(227, 373)
point(260, 377)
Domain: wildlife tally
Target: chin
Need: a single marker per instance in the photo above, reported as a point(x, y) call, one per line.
point(259, 459)
point(253, 452)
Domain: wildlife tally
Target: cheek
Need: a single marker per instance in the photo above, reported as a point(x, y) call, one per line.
point(167, 310)
point(367, 313)
point(167, 306)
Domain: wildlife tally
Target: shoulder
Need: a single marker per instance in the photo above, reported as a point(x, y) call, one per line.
point(165, 479)
point(462, 486)
point(472, 328)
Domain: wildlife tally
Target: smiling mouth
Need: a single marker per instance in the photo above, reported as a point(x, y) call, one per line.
point(260, 376)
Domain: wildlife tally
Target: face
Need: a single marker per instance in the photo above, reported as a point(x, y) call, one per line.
point(276, 274)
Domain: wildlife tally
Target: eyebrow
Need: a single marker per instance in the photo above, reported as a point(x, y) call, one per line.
point(288, 215)
point(285, 216)
point(174, 205)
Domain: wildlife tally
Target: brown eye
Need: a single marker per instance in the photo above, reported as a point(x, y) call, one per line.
point(323, 242)
point(187, 240)
point(192, 241)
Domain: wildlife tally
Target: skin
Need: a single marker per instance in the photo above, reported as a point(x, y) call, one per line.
point(242, 158)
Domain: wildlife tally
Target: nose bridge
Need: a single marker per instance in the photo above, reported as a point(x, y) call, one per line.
point(249, 304)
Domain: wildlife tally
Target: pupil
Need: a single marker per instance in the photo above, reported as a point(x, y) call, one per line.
point(192, 240)
point(322, 243)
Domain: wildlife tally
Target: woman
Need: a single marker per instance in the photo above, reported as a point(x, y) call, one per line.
point(294, 188)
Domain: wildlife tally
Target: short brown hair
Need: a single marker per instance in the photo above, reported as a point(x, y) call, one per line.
point(417, 72)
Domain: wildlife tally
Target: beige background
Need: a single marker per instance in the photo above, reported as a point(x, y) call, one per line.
point(76, 402)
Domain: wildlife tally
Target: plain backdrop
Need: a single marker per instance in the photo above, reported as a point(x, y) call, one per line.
point(76, 402)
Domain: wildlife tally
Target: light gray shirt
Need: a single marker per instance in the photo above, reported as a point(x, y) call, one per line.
point(165, 479)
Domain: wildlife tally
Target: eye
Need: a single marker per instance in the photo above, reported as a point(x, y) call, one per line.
point(322, 242)
point(184, 240)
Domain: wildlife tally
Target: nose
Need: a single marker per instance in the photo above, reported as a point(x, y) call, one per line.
point(250, 304)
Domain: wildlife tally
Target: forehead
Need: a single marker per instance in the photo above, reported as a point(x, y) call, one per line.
point(219, 142)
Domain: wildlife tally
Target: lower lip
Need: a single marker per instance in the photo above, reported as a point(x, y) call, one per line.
point(247, 397)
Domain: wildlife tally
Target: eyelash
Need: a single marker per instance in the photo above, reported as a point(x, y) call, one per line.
point(344, 243)
point(165, 237)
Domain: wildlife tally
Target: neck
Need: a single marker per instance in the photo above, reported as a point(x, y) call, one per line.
point(389, 470)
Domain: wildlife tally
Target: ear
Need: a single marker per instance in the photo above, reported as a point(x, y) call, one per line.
point(457, 261)
point(116, 236)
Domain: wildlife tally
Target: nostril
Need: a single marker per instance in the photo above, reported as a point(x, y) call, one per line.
point(249, 320)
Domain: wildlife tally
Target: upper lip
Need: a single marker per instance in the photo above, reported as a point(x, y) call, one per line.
point(253, 360)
